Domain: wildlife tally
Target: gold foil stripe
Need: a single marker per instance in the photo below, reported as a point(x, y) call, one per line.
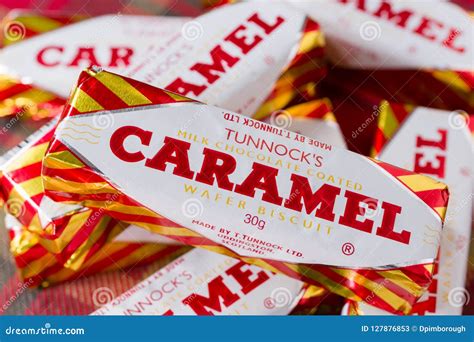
point(122, 89)
point(83, 102)
point(329, 283)
point(419, 183)
point(311, 40)
point(377, 289)
point(62, 160)
point(77, 187)
point(39, 23)
point(27, 157)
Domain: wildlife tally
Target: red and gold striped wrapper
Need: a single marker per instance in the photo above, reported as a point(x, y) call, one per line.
point(25, 100)
point(18, 25)
point(301, 75)
point(38, 267)
point(436, 143)
point(18, 97)
point(71, 233)
point(68, 179)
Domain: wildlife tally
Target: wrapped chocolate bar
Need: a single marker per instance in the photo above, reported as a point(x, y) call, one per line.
point(312, 118)
point(38, 267)
point(206, 283)
point(70, 232)
point(433, 46)
point(37, 74)
point(254, 58)
point(52, 60)
point(436, 143)
point(211, 178)
point(74, 233)
point(266, 54)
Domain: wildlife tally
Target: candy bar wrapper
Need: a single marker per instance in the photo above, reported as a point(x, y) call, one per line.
point(206, 283)
point(69, 232)
point(434, 46)
point(436, 143)
point(18, 96)
point(19, 25)
point(37, 74)
point(252, 58)
point(74, 233)
point(266, 206)
point(265, 55)
point(38, 267)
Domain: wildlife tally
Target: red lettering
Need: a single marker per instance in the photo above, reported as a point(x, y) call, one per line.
point(241, 41)
point(40, 58)
point(120, 56)
point(267, 28)
point(175, 152)
point(385, 11)
point(218, 56)
point(184, 88)
point(449, 42)
point(353, 209)
point(84, 55)
point(118, 138)
point(428, 167)
point(425, 27)
point(211, 169)
point(261, 177)
point(217, 291)
point(323, 199)
point(387, 226)
point(243, 277)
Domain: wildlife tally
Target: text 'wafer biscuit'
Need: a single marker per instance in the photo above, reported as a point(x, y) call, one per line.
point(206, 283)
point(240, 187)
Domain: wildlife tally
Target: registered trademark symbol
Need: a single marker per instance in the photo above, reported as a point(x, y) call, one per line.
point(348, 248)
point(269, 303)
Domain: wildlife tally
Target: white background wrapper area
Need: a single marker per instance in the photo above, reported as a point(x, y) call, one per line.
point(176, 285)
point(314, 244)
point(137, 234)
point(455, 238)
